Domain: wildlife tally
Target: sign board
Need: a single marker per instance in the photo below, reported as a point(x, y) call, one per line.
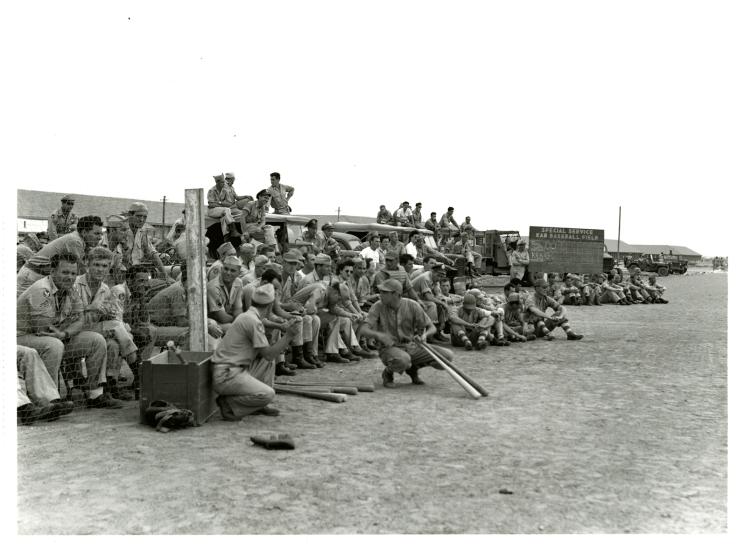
point(559, 249)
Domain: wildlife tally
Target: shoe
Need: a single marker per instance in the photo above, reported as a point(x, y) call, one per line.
point(62, 407)
point(573, 336)
point(104, 401)
point(26, 414)
point(502, 342)
point(268, 410)
point(225, 410)
point(348, 356)
point(531, 337)
point(336, 358)
point(549, 336)
point(482, 344)
point(388, 379)
point(438, 337)
point(467, 345)
point(360, 352)
point(282, 370)
point(298, 357)
point(416, 380)
point(123, 394)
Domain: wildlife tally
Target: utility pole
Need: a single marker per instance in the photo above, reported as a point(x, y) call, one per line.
point(337, 213)
point(618, 255)
point(164, 207)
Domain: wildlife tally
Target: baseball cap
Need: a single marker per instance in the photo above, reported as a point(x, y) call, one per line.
point(290, 257)
point(68, 198)
point(262, 193)
point(263, 295)
point(311, 222)
point(322, 259)
point(138, 207)
point(230, 175)
point(470, 302)
point(513, 297)
point(418, 204)
point(232, 260)
point(261, 260)
point(391, 285)
point(227, 248)
point(115, 220)
point(327, 226)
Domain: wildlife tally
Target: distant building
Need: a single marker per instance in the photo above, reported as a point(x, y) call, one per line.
point(635, 249)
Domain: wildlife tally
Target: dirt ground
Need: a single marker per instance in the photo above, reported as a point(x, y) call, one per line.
point(622, 432)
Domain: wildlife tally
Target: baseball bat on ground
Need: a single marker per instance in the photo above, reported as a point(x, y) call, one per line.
point(459, 380)
point(347, 390)
point(360, 386)
point(333, 397)
point(466, 377)
point(171, 346)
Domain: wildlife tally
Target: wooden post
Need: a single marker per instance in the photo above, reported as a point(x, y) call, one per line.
point(194, 235)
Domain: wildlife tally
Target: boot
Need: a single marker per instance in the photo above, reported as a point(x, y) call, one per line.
point(299, 358)
point(388, 379)
point(344, 352)
point(123, 394)
point(282, 370)
point(416, 380)
point(311, 357)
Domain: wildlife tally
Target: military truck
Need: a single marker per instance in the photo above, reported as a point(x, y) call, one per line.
point(676, 264)
point(649, 262)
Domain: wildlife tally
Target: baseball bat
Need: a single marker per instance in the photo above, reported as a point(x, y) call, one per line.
point(452, 373)
point(171, 346)
point(360, 386)
point(469, 380)
point(347, 390)
point(333, 397)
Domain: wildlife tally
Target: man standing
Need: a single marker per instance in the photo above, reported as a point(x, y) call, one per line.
point(519, 260)
point(87, 235)
point(223, 206)
point(243, 362)
point(49, 318)
point(400, 324)
point(62, 221)
point(280, 194)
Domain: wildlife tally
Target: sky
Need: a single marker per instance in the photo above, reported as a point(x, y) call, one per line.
point(514, 113)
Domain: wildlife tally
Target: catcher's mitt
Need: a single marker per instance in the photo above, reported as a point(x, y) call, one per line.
point(166, 416)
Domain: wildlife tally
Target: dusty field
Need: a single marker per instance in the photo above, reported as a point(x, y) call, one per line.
point(622, 432)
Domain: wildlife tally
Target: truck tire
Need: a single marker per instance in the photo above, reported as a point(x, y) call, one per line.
point(662, 271)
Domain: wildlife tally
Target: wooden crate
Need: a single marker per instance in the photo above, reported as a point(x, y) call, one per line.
point(164, 377)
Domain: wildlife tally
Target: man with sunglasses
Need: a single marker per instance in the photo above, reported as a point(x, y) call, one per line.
point(62, 221)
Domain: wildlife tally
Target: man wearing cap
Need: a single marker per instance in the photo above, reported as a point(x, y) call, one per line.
point(49, 318)
point(280, 194)
point(28, 246)
point(544, 323)
point(101, 311)
point(304, 354)
point(519, 260)
point(403, 215)
point(321, 272)
point(242, 200)
point(393, 270)
point(243, 361)
point(383, 216)
point(63, 220)
point(87, 235)
point(444, 225)
point(471, 327)
point(224, 250)
point(224, 293)
point(417, 215)
point(399, 324)
point(138, 248)
point(515, 326)
point(330, 245)
point(311, 236)
point(435, 308)
point(255, 222)
point(222, 202)
point(474, 260)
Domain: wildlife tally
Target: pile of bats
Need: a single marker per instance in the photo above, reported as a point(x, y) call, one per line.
point(334, 391)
